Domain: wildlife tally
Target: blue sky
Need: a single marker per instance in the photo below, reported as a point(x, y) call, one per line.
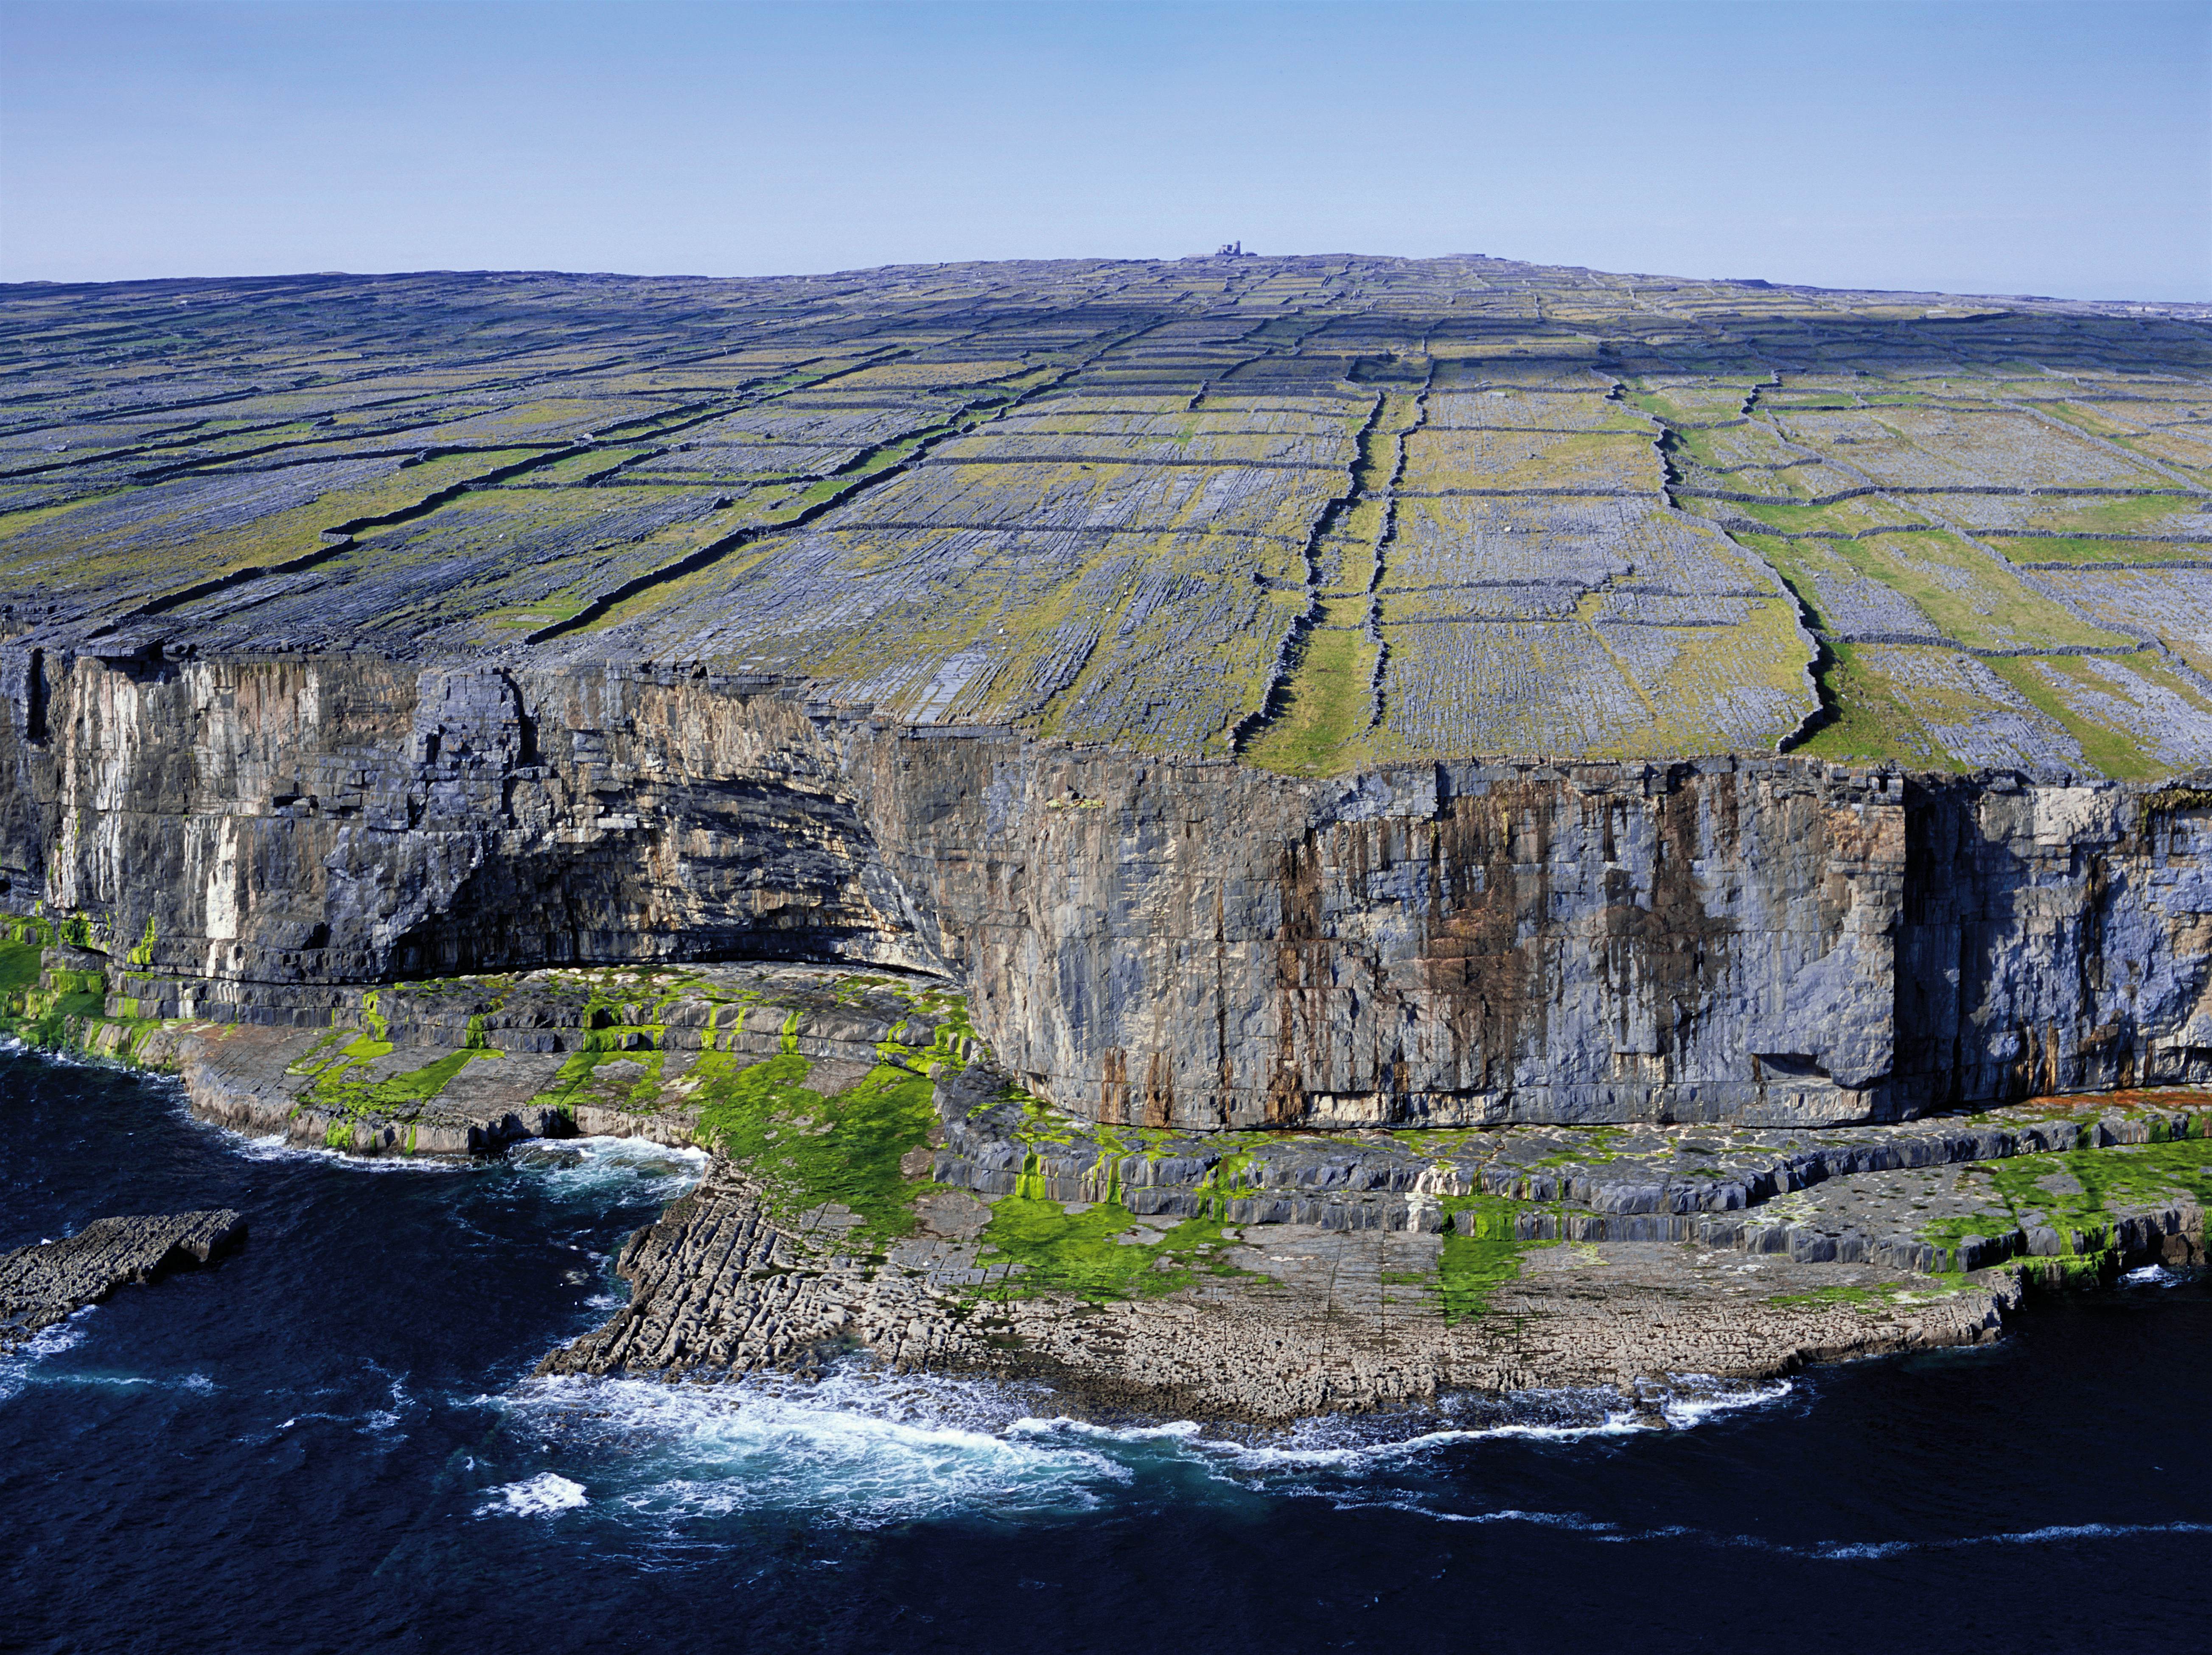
point(2013, 148)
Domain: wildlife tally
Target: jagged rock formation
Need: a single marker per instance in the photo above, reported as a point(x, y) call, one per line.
point(41, 1285)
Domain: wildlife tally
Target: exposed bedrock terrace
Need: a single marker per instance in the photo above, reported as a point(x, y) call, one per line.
point(1321, 692)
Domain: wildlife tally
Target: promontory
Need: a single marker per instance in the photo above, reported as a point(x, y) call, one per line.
point(1236, 835)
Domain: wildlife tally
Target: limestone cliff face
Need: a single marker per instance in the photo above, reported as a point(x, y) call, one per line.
point(1144, 940)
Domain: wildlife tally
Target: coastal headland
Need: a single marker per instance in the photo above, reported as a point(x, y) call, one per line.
point(1244, 836)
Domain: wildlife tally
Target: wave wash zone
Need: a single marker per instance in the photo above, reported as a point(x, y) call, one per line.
point(877, 1185)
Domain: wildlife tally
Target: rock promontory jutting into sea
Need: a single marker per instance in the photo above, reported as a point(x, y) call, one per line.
point(1240, 835)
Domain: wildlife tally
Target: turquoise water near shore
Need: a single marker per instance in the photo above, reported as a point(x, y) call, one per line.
point(331, 1441)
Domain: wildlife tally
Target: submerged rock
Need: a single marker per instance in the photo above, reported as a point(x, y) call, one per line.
point(40, 1284)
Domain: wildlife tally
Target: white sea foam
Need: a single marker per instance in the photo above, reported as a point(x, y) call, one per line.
point(631, 1166)
point(2052, 1534)
point(595, 1167)
point(13, 1046)
point(1690, 1399)
point(1354, 1445)
point(544, 1495)
point(858, 1448)
point(275, 1146)
point(17, 1361)
point(1835, 1551)
point(863, 1446)
point(19, 1365)
point(2154, 1275)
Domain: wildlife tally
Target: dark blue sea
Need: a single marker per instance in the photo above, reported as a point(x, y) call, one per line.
point(330, 1441)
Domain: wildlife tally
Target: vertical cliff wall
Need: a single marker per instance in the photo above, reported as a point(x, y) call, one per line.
point(1148, 941)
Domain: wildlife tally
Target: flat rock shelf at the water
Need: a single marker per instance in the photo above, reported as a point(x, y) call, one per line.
point(1268, 1277)
point(879, 1187)
point(40, 1284)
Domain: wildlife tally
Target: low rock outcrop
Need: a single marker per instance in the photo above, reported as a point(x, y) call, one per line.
point(1263, 1278)
point(877, 1184)
point(41, 1285)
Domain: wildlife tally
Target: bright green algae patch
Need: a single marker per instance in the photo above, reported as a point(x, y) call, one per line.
point(396, 1094)
point(808, 1149)
point(1082, 1255)
point(19, 966)
point(2023, 1195)
point(1481, 1252)
point(55, 1008)
point(1079, 1253)
point(339, 1066)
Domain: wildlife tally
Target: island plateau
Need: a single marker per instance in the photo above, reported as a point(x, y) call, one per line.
point(1237, 835)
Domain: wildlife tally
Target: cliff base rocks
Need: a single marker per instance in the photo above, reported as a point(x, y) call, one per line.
point(464, 1065)
point(1263, 1277)
point(1262, 1325)
point(879, 1185)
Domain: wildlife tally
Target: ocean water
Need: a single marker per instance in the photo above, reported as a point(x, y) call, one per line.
point(331, 1442)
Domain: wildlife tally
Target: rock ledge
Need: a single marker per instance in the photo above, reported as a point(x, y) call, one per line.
point(41, 1285)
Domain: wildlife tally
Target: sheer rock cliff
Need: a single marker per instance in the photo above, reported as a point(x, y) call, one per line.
point(1144, 940)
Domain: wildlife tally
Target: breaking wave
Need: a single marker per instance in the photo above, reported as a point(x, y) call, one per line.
point(863, 1446)
point(853, 1449)
point(543, 1495)
point(632, 1169)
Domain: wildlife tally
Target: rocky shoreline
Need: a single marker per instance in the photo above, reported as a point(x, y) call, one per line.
point(879, 1185)
point(1339, 1298)
point(1290, 1322)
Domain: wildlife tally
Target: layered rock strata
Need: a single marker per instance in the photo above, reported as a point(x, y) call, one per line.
point(1301, 1320)
point(1272, 1309)
point(1887, 1196)
point(1143, 942)
point(877, 1185)
point(466, 1066)
point(41, 1285)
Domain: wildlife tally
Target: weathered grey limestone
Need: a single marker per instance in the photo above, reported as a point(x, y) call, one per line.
point(1341, 1296)
point(1317, 1320)
point(1151, 941)
point(41, 1285)
point(1861, 1194)
point(1318, 1271)
point(468, 1065)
